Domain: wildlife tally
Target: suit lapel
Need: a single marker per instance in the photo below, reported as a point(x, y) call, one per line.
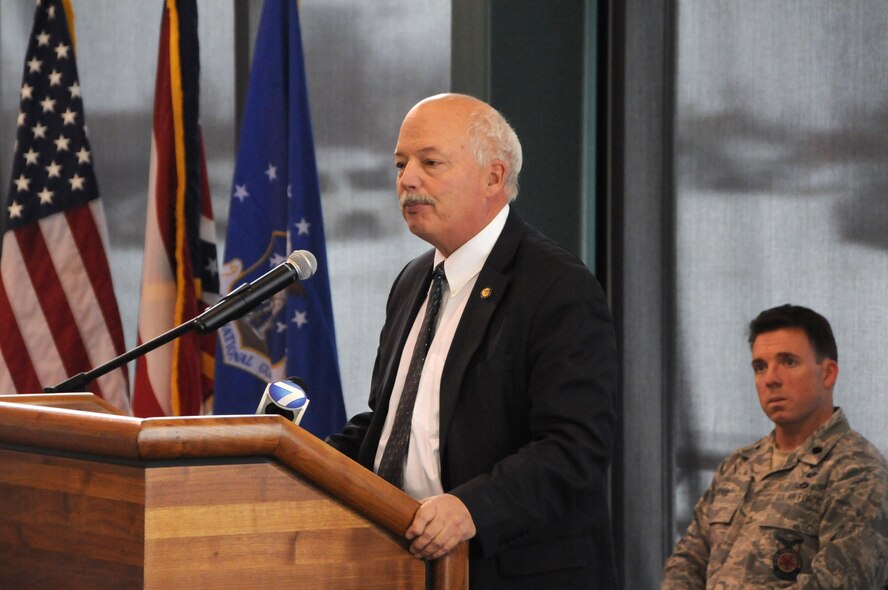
point(486, 296)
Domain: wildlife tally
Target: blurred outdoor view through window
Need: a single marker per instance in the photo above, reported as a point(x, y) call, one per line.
point(367, 63)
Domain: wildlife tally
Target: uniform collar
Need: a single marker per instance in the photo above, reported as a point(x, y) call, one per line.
point(819, 444)
point(812, 451)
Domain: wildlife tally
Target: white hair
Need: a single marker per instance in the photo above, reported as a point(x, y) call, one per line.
point(492, 138)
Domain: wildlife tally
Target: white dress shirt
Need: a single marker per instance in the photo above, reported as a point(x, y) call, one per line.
point(422, 472)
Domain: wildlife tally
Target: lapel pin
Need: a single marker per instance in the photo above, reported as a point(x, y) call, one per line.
point(485, 292)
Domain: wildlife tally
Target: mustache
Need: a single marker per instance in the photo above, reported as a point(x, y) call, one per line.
point(407, 199)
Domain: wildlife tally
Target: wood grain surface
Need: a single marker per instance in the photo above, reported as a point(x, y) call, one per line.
point(93, 499)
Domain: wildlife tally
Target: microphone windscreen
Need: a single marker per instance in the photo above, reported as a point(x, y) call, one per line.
point(305, 262)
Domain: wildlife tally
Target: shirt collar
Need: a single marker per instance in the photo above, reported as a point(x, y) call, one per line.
point(466, 262)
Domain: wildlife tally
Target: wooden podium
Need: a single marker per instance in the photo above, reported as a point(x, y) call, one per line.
point(93, 499)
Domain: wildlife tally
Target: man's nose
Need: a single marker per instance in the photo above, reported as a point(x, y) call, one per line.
point(409, 177)
point(772, 378)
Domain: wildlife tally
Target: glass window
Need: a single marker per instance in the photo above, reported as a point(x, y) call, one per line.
point(780, 198)
point(367, 63)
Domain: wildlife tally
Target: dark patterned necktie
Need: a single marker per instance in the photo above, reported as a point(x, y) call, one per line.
point(391, 467)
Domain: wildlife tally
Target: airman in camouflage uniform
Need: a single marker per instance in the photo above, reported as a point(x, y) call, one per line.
point(817, 521)
point(812, 516)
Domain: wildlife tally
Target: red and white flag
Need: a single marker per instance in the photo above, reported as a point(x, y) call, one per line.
point(58, 312)
point(179, 273)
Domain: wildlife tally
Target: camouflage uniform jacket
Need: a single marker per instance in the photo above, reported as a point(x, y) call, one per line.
point(819, 521)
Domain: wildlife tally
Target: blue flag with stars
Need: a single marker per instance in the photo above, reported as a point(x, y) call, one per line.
point(276, 208)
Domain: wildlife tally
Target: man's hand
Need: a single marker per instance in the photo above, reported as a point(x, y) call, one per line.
point(441, 523)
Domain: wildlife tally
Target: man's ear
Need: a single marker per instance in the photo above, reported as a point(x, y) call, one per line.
point(495, 177)
point(830, 372)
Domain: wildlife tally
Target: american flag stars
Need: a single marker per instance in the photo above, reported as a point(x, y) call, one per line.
point(76, 182)
point(212, 266)
point(21, 183)
point(15, 210)
point(39, 131)
point(52, 167)
point(62, 51)
point(54, 170)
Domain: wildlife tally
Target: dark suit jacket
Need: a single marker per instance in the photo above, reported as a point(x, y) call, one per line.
point(527, 420)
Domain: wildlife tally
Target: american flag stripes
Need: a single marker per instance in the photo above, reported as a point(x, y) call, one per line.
point(58, 312)
point(179, 276)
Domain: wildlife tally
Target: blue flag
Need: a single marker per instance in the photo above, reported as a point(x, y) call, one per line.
point(276, 208)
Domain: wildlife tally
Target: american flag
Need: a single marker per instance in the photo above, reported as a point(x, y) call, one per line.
point(58, 312)
point(179, 274)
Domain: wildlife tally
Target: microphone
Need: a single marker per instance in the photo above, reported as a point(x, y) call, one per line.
point(286, 398)
point(300, 265)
